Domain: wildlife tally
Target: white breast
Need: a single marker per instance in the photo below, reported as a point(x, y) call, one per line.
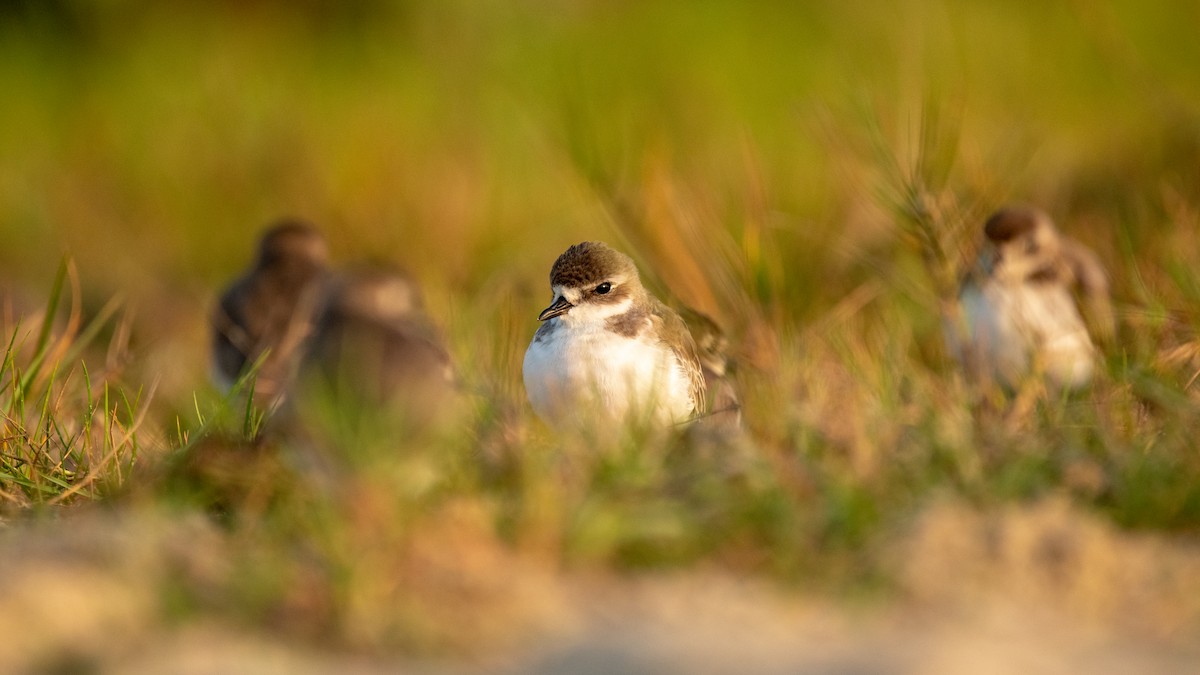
point(1012, 329)
point(584, 372)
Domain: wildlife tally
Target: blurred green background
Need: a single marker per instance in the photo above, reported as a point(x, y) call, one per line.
point(152, 141)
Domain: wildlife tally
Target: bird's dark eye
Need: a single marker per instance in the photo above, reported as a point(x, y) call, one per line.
point(604, 288)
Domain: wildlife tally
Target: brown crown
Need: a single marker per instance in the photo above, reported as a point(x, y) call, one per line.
point(292, 242)
point(1011, 222)
point(590, 262)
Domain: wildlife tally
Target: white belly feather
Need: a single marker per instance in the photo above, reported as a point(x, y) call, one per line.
point(585, 372)
point(1015, 328)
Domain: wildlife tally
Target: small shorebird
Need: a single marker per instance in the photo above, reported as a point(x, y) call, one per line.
point(270, 310)
point(609, 351)
point(1018, 312)
point(374, 343)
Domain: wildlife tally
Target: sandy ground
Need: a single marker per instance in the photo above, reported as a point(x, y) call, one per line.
point(1038, 589)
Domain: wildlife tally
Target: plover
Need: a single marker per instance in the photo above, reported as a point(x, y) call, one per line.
point(270, 310)
point(609, 351)
point(1018, 312)
point(374, 343)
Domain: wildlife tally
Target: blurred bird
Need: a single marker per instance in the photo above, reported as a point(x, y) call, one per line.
point(607, 350)
point(268, 313)
point(1018, 312)
point(374, 344)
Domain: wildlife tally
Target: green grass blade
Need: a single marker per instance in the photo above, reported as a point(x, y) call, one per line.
point(43, 341)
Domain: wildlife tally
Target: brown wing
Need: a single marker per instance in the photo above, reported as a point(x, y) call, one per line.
point(723, 404)
point(259, 313)
point(676, 335)
point(231, 345)
point(1092, 280)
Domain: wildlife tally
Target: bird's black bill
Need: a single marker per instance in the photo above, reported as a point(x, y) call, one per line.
point(560, 306)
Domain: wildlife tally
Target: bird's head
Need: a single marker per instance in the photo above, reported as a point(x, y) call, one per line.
point(1021, 242)
point(592, 281)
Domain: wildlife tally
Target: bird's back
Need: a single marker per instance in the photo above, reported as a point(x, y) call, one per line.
point(366, 354)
